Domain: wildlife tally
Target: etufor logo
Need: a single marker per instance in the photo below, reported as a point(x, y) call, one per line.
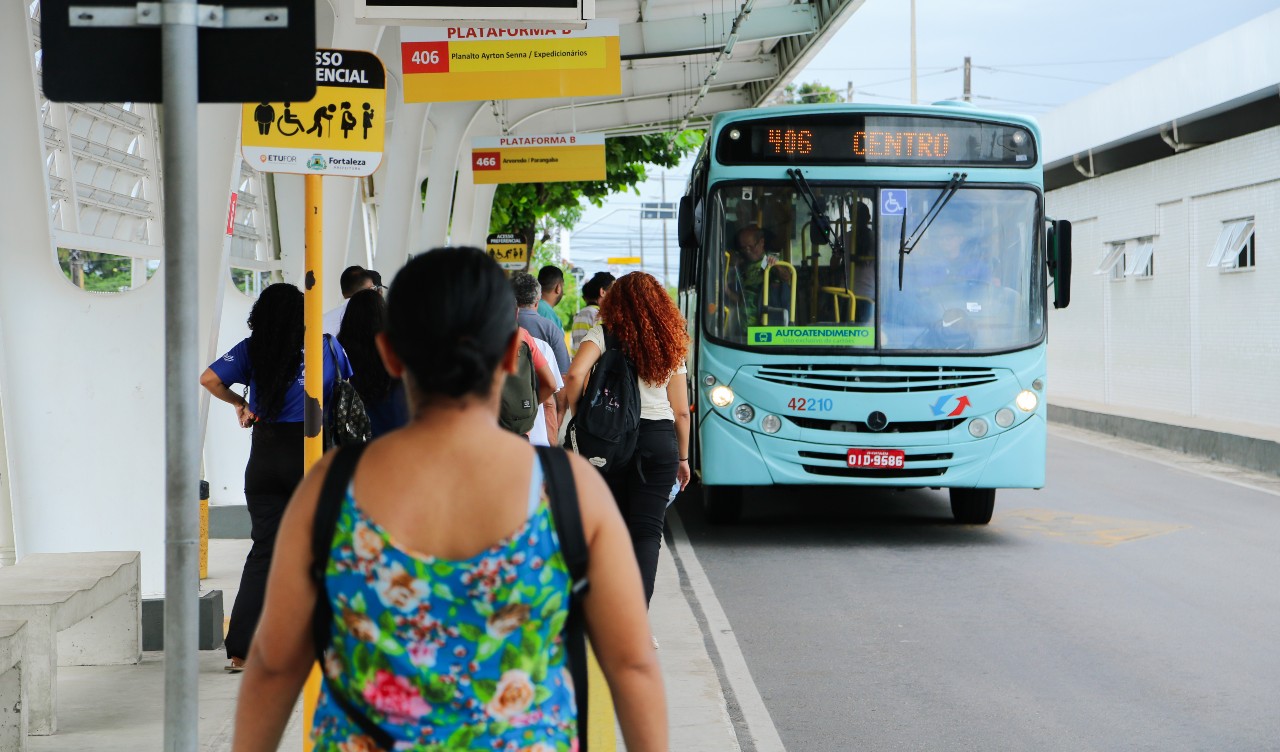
point(944, 405)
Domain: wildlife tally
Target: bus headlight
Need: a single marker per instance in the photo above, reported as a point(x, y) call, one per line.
point(744, 413)
point(722, 396)
point(978, 428)
point(1027, 401)
point(1004, 417)
point(771, 423)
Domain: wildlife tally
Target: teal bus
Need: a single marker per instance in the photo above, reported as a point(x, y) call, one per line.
point(867, 291)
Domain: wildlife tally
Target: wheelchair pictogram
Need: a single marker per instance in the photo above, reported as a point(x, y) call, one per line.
point(893, 201)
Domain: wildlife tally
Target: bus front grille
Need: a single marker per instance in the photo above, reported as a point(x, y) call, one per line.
point(858, 426)
point(874, 379)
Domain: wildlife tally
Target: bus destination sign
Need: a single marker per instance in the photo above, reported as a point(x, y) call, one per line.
point(875, 139)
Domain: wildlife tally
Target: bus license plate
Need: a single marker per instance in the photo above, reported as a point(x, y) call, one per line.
point(877, 459)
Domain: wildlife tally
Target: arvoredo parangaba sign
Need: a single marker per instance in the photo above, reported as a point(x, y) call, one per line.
point(554, 158)
point(465, 63)
point(339, 132)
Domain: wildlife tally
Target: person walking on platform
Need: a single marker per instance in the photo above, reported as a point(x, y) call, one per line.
point(383, 396)
point(592, 292)
point(551, 279)
point(269, 363)
point(353, 280)
point(445, 570)
point(528, 297)
point(640, 316)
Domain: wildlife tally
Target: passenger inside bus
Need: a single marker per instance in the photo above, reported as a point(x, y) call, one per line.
point(746, 278)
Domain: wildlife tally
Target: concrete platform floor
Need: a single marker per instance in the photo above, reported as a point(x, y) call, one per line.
point(119, 708)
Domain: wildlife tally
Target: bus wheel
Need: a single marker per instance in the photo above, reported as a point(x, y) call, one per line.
point(972, 506)
point(722, 504)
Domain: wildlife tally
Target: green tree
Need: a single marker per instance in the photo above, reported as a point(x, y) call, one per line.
point(519, 207)
point(811, 93)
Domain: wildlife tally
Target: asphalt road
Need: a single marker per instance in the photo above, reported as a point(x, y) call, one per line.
point(1129, 605)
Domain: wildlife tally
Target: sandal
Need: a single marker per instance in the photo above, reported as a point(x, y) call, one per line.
point(234, 666)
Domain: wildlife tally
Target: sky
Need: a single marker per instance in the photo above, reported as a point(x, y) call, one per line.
point(1028, 56)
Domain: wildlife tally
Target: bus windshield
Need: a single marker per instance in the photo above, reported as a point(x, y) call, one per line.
point(776, 276)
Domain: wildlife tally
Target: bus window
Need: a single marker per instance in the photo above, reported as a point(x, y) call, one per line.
point(822, 272)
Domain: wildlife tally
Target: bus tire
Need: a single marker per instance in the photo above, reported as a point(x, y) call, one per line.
point(722, 505)
point(972, 506)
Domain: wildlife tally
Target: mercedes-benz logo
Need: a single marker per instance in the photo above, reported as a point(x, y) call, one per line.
point(877, 421)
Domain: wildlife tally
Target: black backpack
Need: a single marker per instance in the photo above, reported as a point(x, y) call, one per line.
point(567, 517)
point(520, 405)
point(346, 421)
point(606, 425)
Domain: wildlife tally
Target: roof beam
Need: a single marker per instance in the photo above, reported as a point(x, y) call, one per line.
point(710, 30)
point(655, 80)
point(620, 113)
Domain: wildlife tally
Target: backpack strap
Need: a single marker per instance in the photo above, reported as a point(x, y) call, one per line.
point(332, 494)
point(563, 498)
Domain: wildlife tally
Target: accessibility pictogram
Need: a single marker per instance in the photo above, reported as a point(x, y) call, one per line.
point(509, 250)
point(893, 201)
point(338, 132)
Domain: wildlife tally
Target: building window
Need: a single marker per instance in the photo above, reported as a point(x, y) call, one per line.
point(1235, 246)
point(1113, 263)
point(1142, 262)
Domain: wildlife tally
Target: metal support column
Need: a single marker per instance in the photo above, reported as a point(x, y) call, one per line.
point(182, 441)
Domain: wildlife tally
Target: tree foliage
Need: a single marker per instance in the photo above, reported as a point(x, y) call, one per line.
point(519, 207)
point(811, 93)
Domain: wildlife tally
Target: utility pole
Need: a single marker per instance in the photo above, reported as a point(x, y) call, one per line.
point(666, 276)
point(913, 51)
point(848, 92)
point(968, 71)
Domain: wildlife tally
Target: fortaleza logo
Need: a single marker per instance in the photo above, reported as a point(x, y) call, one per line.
point(811, 336)
point(316, 162)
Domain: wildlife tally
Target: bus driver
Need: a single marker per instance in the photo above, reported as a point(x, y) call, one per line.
point(746, 277)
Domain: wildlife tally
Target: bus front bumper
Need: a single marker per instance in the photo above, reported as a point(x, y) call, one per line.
point(734, 456)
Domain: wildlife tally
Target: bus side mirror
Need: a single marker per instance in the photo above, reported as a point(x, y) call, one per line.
point(686, 228)
point(1060, 261)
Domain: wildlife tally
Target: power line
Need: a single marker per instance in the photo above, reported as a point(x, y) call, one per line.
point(995, 69)
point(1080, 62)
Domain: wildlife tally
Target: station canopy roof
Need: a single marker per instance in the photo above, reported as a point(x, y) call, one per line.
point(685, 60)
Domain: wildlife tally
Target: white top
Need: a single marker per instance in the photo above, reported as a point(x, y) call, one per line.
point(332, 320)
point(538, 434)
point(654, 404)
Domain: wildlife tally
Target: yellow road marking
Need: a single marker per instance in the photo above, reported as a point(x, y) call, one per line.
point(1084, 529)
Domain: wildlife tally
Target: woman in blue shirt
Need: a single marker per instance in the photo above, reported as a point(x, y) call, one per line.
point(269, 362)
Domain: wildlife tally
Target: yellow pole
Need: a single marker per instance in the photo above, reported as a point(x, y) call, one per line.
point(313, 380)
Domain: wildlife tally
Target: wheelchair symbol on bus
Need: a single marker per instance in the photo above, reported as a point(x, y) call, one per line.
point(893, 201)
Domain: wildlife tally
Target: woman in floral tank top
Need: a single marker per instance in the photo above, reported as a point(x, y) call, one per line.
point(445, 578)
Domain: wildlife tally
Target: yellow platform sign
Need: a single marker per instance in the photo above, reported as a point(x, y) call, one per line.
point(623, 261)
point(466, 63)
point(339, 132)
point(509, 251)
point(554, 158)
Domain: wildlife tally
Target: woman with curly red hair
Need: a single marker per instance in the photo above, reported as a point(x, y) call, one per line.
point(641, 317)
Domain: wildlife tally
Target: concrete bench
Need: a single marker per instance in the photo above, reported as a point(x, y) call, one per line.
point(13, 706)
point(81, 609)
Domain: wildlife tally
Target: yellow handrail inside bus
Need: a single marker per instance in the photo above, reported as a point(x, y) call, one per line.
point(764, 305)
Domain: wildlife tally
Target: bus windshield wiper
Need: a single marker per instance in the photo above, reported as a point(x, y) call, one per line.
point(819, 217)
point(908, 244)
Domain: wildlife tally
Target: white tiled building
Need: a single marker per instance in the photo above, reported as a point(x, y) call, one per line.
point(1172, 180)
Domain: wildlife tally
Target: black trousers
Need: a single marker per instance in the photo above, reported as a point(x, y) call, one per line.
point(642, 487)
point(273, 472)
